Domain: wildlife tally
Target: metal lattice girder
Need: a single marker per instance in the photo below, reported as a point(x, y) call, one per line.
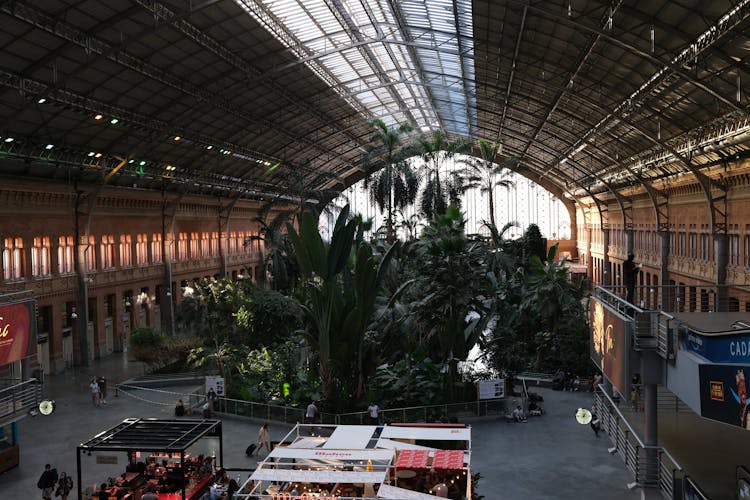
point(671, 72)
point(95, 46)
point(209, 43)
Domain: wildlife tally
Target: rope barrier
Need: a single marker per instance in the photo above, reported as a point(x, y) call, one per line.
point(175, 395)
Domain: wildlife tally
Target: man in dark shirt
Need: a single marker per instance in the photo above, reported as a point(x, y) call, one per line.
point(47, 481)
point(629, 274)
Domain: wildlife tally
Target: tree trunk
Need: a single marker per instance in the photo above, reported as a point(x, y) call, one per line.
point(492, 208)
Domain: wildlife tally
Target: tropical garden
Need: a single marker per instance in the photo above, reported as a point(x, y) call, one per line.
point(392, 315)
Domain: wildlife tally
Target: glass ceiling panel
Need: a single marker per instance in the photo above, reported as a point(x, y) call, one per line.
point(383, 56)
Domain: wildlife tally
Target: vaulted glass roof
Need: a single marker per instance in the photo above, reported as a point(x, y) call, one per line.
point(398, 61)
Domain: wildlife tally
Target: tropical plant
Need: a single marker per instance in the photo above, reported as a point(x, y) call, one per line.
point(483, 173)
point(409, 225)
point(437, 193)
point(221, 357)
point(269, 317)
point(448, 290)
point(390, 179)
point(340, 299)
point(275, 252)
point(533, 245)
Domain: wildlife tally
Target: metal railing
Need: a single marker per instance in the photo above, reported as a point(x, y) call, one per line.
point(685, 298)
point(650, 466)
point(18, 399)
point(652, 329)
point(433, 413)
point(290, 414)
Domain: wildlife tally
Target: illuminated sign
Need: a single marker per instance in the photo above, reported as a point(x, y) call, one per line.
point(730, 348)
point(610, 345)
point(16, 335)
point(717, 390)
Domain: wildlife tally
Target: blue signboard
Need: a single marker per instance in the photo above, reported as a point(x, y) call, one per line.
point(724, 394)
point(716, 348)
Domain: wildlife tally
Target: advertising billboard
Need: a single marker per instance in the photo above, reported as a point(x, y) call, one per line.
point(716, 348)
point(723, 393)
point(17, 327)
point(610, 345)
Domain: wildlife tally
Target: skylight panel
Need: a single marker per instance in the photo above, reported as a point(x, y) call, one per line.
point(354, 44)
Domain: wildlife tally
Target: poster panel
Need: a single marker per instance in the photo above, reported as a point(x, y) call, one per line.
point(610, 345)
point(491, 389)
point(216, 383)
point(723, 393)
point(17, 329)
point(716, 348)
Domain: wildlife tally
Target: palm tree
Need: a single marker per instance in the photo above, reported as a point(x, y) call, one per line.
point(485, 174)
point(389, 177)
point(438, 193)
point(409, 224)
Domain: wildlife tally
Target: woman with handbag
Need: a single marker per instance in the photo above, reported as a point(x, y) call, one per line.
point(64, 485)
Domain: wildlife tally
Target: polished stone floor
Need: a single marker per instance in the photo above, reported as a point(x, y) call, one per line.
point(549, 457)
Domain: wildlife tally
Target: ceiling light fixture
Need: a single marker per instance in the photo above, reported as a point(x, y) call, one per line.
point(41, 100)
point(9, 139)
point(49, 146)
point(114, 121)
point(177, 138)
point(98, 116)
point(142, 162)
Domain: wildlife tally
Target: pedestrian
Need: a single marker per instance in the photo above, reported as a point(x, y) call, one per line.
point(64, 485)
point(629, 275)
point(47, 482)
point(518, 414)
point(596, 424)
point(372, 411)
point(102, 383)
point(264, 438)
point(95, 392)
point(311, 413)
point(210, 398)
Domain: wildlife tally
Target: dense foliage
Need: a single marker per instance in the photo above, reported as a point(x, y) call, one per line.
point(349, 320)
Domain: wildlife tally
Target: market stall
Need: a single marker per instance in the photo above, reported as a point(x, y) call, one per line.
point(364, 462)
point(157, 454)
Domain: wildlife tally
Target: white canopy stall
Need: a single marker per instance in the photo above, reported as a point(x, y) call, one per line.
point(354, 462)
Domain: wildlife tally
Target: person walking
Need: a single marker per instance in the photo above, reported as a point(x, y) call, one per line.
point(95, 392)
point(64, 485)
point(47, 482)
point(264, 439)
point(373, 411)
point(102, 383)
point(596, 424)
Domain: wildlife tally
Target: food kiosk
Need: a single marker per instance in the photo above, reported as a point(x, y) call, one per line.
point(400, 462)
point(158, 457)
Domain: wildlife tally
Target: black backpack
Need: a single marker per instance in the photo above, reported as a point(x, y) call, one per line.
point(250, 450)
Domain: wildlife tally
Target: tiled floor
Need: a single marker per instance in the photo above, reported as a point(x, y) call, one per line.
point(550, 457)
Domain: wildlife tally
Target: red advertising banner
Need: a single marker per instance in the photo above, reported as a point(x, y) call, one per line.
point(16, 339)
